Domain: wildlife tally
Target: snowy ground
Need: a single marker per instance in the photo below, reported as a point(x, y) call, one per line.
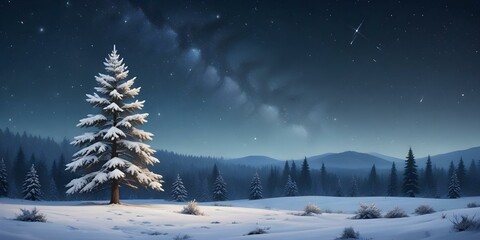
point(158, 219)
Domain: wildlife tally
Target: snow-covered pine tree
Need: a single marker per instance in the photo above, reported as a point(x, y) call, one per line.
point(115, 153)
point(179, 193)
point(291, 187)
point(3, 179)
point(219, 189)
point(31, 185)
point(256, 190)
point(454, 187)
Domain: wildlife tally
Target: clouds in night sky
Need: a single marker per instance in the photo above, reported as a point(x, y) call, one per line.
point(221, 74)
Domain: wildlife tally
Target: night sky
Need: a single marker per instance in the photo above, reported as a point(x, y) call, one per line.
point(285, 79)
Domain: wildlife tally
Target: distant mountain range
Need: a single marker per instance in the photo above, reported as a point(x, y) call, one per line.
point(356, 160)
point(47, 149)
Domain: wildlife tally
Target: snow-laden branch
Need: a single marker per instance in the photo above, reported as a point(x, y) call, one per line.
point(151, 179)
point(98, 147)
point(81, 161)
point(92, 120)
point(96, 100)
point(128, 121)
point(115, 95)
point(107, 77)
point(103, 82)
point(113, 107)
point(78, 184)
point(116, 174)
point(84, 138)
point(115, 162)
point(114, 133)
point(132, 92)
point(137, 147)
point(123, 73)
point(101, 90)
point(127, 84)
point(140, 134)
point(137, 105)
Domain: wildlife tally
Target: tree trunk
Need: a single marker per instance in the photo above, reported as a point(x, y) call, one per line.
point(115, 197)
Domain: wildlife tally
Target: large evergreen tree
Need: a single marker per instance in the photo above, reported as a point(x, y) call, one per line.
point(219, 189)
point(3, 179)
point(454, 187)
point(410, 177)
point(179, 192)
point(305, 179)
point(392, 184)
point(256, 188)
point(430, 186)
point(31, 186)
point(291, 188)
point(114, 154)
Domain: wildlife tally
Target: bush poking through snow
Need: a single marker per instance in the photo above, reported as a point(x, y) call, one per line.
point(396, 213)
point(465, 223)
point(349, 233)
point(192, 209)
point(368, 211)
point(424, 209)
point(473, 205)
point(31, 216)
point(182, 237)
point(311, 209)
point(258, 230)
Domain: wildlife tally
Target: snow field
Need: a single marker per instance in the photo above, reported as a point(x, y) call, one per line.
point(280, 217)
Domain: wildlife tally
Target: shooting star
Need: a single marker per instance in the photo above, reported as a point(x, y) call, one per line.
point(356, 32)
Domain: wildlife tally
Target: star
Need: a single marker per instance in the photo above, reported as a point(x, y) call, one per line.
point(421, 100)
point(356, 32)
point(41, 29)
point(255, 139)
point(218, 16)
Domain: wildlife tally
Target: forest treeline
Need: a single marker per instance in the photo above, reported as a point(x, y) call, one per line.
point(200, 176)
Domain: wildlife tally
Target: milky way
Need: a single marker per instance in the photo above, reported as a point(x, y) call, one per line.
point(234, 78)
